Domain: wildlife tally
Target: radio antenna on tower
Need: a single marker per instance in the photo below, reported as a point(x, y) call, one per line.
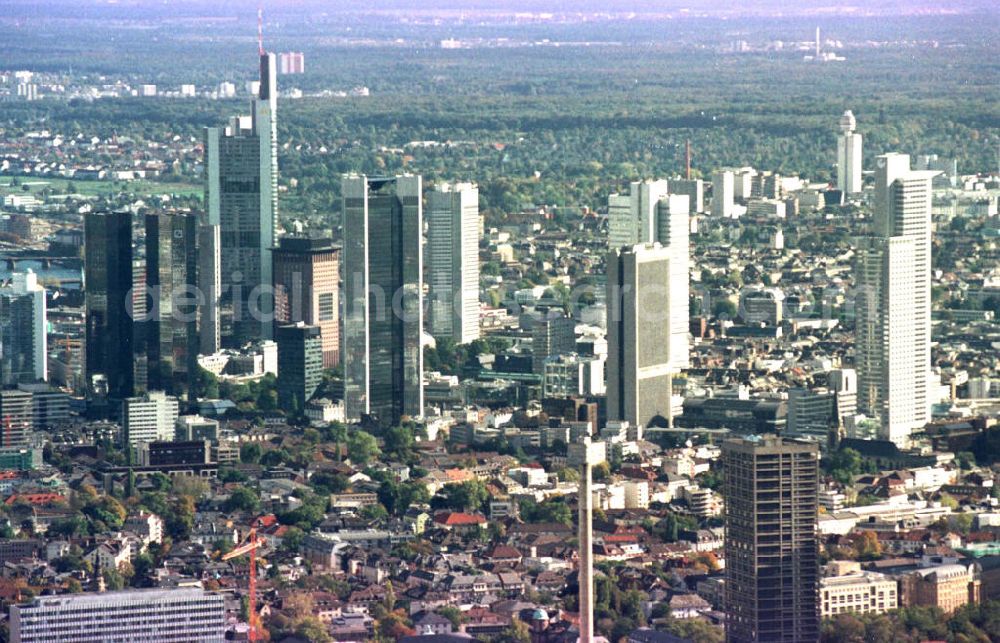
point(260, 30)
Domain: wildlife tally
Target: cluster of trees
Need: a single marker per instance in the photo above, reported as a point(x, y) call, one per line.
point(979, 623)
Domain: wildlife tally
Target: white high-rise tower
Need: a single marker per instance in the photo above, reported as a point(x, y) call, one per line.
point(651, 214)
point(453, 261)
point(894, 301)
point(23, 347)
point(848, 156)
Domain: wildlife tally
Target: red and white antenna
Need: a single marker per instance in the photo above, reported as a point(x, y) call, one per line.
point(260, 30)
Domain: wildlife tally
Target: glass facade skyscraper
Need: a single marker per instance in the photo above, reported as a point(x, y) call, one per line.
point(383, 297)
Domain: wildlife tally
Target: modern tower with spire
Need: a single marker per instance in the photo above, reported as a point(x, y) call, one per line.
point(241, 196)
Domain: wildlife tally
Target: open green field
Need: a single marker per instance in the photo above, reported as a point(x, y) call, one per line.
point(36, 185)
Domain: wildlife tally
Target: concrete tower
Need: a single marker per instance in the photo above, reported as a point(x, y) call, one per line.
point(848, 156)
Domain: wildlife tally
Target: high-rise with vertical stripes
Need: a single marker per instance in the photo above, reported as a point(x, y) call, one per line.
point(453, 261)
point(893, 305)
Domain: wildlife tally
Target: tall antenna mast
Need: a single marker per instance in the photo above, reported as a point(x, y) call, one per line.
point(260, 30)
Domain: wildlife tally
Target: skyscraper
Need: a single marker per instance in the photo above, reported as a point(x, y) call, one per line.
point(848, 156)
point(241, 196)
point(383, 297)
point(306, 289)
point(639, 342)
point(651, 214)
point(453, 261)
point(723, 193)
point(115, 351)
point(893, 327)
point(24, 354)
point(210, 284)
point(172, 280)
point(300, 364)
point(772, 552)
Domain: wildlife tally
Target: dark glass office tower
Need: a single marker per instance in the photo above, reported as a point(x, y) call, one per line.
point(241, 196)
point(300, 364)
point(772, 558)
point(383, 298)
point(172, 281)
point(115, 350)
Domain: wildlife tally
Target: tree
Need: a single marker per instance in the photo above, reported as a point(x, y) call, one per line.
point(362, 448)
point(867, 546)
point(600, 471)
point(516, 632)
point(243, 499)
point(454, 615)
point(399, 442)
point(250, 453)
point(465, 496)
point(113, 580)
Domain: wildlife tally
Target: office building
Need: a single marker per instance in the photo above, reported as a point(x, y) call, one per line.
point(893, 306)
point(639, 346)
point(846, 589)
point(210, 286)
point(738, 414)
point(453, 261)
point(651, 214)
point(572, 376)
point(306, 289)
point(49, 406)
point(812, 412)
point(551, 336)
point(241, 197)
point(196, 427)
point(24, 357)
point(172, 321)
point(115, 350)
point(694, 189)
point(383, 298)
point(848, 156)
point(771, 547)
point(300, 365)
point(166, 454)
point(163, 615)
point(150, 418)
point(723, 193)
point(16, 418)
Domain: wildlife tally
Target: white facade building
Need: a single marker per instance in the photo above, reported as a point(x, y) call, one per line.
point(848, 156)
point(453, 261)
point(150, 418)
point(723, 193)
point(894, 302)
point(23, 343)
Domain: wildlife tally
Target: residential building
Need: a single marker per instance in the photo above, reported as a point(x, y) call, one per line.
point(24, 358)
point(300, 365)
point(173, 615)
point(771, 547)
point(241, 197)
point(383, 298)
point(453, 261)
point(723, 193)
point(947, 587)
point(848, 156)
point(893, 305)
point(306, 289)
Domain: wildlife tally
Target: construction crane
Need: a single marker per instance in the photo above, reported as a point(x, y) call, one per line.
point(249, 546)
